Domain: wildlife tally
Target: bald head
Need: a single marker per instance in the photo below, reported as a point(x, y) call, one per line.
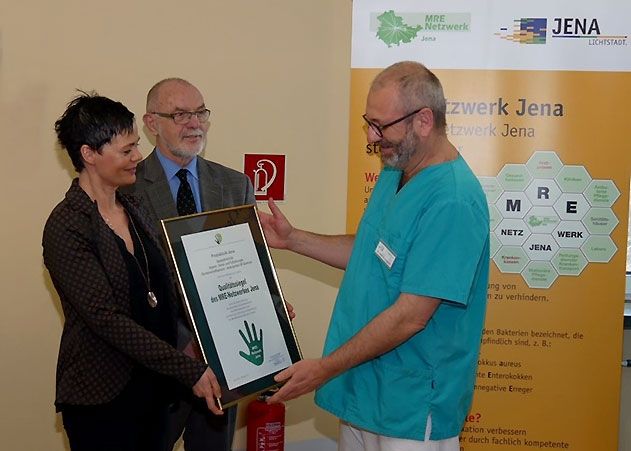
point(158, 92)
point(417, 86)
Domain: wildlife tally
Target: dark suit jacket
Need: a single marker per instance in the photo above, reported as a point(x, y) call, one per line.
point(220, 187)
point(100, 343)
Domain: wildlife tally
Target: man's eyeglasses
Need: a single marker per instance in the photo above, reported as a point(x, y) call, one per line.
point(182, 117)
point(378, 129)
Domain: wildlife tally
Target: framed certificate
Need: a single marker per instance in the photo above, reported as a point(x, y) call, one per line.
point(233, 298)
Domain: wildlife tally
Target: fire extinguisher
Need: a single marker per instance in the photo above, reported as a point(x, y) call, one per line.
point(266, 425)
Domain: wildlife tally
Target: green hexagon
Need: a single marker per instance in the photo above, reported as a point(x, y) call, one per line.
point(513, 204)
point(571, 206)
point(542, 192)
point(512, 232)
point(601, 193)
point(542, 219)
point(494, 216)
point(544, 164)
point(570, 234)
point(600, 221)
point(569, 262)
point(573, 179)
point(510, 259)
point(540, 246)
point(539, 274)
point(495, 245)
point(491, 188)
point(514, 177)
point(599, 248)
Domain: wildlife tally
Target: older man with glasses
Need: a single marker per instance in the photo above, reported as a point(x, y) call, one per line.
point(401, 352)
point(173, 181)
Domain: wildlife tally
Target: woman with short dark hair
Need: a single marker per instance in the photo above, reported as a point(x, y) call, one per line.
point(118, 366)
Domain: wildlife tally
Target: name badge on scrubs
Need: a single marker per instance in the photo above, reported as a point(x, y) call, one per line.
point(385, 254)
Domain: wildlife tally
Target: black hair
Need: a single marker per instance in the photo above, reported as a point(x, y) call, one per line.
point(92, 120)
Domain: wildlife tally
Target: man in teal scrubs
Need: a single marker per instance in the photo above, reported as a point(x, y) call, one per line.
point(400, 356)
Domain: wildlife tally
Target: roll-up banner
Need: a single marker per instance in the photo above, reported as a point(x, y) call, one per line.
point(537, 100)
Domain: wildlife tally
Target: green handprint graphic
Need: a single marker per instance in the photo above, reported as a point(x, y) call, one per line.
point(254, 344)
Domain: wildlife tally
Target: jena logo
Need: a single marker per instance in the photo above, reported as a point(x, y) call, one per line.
point(527, 30)
point(583, 28)
point(530, 30)
point(401, 28)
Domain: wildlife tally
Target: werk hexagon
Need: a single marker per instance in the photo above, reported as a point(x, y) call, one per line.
point(549, 219)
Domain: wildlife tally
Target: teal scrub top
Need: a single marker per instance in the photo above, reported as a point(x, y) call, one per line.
point(437, 229)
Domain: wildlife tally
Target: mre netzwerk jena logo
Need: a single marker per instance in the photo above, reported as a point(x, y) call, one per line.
point(402, 28)
point(527, 30)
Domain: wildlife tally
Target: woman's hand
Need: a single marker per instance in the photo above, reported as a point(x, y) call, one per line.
point(207, 387)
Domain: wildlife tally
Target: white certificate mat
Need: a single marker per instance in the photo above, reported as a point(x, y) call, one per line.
point(232, 298)
point(237, 303)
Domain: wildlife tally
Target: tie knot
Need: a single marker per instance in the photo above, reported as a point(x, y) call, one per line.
point(182, 174)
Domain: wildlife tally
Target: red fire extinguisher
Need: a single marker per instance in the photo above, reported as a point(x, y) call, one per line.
point(266, 425)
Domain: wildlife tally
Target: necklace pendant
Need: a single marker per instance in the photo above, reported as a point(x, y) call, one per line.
point(152, 299)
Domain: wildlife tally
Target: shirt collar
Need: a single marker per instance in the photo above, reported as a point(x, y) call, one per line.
point(170, 167)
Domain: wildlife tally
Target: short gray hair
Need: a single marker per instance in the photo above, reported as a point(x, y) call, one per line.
point(418, 86)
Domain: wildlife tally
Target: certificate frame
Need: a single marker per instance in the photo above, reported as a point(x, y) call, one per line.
point(190, 241)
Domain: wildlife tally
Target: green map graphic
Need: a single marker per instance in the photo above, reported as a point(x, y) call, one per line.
point(534, 221)
point(392, 29)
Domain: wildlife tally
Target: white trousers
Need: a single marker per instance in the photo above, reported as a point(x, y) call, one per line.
point(355, 439)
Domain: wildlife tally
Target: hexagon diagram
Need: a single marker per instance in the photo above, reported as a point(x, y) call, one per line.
point(549, 220)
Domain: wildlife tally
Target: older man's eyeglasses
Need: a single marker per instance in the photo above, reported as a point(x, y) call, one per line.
point(379, 129)
point(183, 117)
